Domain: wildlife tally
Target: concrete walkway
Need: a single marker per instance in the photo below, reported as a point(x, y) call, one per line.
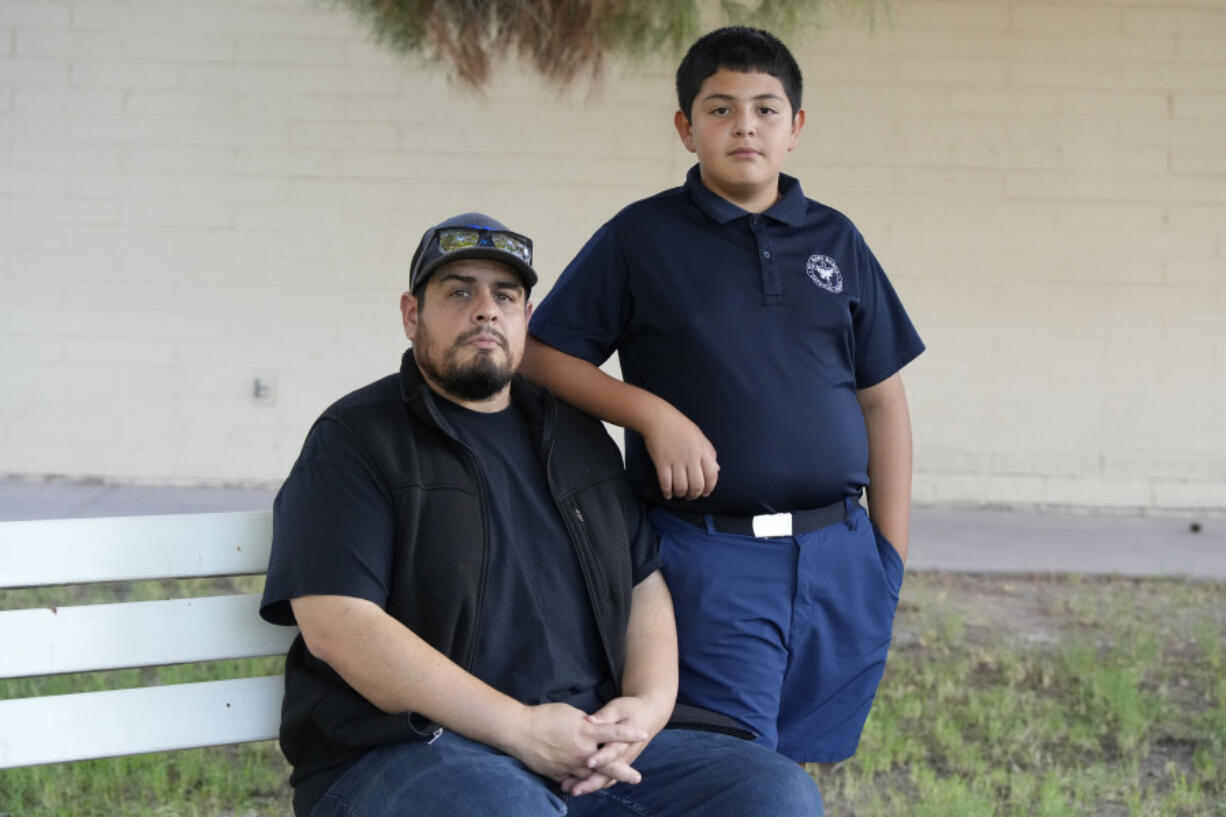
point(993, 541)
point(941, 539)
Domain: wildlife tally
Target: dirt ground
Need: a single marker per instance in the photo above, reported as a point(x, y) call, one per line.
point(1041, 609)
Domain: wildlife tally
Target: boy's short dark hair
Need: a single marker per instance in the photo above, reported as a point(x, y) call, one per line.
point(737, 48)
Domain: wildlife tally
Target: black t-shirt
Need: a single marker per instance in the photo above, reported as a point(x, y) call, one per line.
point(334, 529)
point(538, 640)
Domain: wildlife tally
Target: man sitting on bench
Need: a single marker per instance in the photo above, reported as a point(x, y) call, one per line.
point(484, 628)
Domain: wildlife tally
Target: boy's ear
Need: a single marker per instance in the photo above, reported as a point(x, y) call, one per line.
point(798, 123)
point(682, 123)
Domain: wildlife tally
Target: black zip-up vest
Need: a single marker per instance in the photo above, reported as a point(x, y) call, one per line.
point(441, 506)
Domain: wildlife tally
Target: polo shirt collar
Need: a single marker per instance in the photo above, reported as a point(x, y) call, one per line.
point(790, 209)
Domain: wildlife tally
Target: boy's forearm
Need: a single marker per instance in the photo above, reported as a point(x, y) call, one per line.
point(685, 460)
point(889, 459)
point(586, 387)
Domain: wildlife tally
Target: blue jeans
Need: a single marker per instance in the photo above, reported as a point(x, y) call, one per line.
point(684, 773)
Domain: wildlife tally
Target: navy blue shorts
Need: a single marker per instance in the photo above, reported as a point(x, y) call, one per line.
point(789, 634)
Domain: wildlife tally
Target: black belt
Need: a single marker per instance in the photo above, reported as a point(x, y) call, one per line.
point(771, 524)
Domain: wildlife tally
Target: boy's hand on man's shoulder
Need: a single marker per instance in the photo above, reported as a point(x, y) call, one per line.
point(685, 460)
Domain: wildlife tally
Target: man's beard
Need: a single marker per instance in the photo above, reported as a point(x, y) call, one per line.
point(478, 379)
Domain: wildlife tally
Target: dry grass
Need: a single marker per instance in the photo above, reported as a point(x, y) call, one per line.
point(1004, 695)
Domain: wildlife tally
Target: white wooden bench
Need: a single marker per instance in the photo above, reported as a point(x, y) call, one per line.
point(62, 638)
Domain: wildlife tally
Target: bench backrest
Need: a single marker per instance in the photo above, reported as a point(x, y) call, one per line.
point(55, 638)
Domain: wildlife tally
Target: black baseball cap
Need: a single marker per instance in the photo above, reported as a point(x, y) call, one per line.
point(471, 235)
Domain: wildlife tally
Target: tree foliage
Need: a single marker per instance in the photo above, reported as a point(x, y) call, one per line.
point(563, 39)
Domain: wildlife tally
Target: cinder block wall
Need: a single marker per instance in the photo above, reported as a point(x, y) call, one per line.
point(197, 194)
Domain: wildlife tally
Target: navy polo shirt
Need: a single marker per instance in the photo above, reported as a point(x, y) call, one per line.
point(759, 328)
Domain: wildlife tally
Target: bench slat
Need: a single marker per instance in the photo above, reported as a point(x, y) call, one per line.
point(76, 551)
point(42, 641)
point(131, 721)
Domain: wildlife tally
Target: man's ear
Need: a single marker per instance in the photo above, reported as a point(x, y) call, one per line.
point(684, 129)
point(528, 311)
point(408, 314)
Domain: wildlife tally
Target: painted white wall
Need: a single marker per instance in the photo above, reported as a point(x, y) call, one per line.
point(194, 194)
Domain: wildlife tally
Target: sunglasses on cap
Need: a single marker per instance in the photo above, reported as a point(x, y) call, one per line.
point(451, 239)
point(472, 240)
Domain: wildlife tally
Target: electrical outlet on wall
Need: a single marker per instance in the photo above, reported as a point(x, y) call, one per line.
point(264, 390)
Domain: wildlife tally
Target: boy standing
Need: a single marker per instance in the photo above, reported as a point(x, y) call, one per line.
point(753, 324)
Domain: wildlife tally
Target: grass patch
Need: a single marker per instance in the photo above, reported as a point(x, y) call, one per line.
point(1045, 696)
point(1005, 696)
point(235, 781)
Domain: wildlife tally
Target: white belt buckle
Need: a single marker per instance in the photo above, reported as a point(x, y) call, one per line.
point(772, 524)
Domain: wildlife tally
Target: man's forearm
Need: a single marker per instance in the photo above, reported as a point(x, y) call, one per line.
point(394, 669)
point(649, 685)
point(889, 459)
point(397, 671)
point(651, 650)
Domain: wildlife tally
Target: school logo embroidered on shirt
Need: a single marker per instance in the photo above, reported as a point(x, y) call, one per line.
point(822, 271)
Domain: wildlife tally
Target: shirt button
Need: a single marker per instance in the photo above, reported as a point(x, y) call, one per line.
point(766, 253)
